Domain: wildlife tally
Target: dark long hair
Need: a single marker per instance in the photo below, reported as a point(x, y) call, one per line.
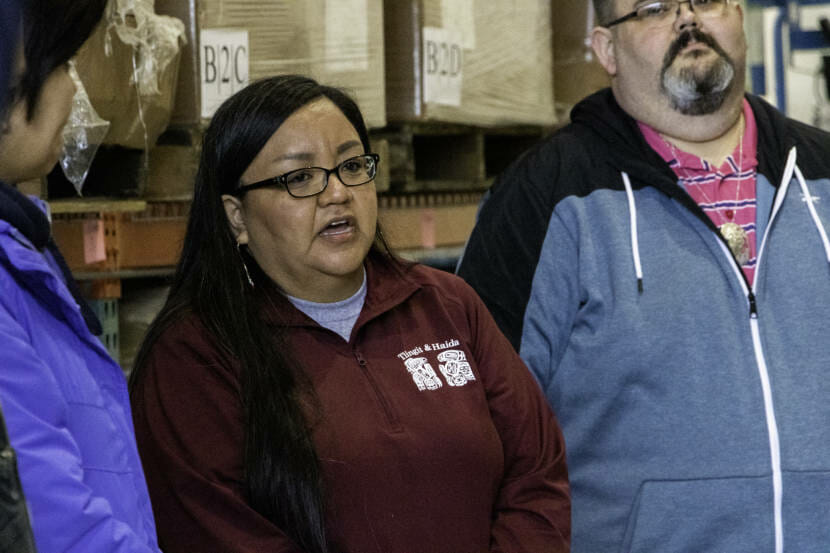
point(282, 473)
point(9, 36)
point(53, 31)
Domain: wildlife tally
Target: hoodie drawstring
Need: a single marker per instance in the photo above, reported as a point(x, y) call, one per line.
point(789, 170)
point(635, 244)
point(808, 199)
point(785, 182)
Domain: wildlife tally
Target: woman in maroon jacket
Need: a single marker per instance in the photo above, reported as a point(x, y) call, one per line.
point(304, 391)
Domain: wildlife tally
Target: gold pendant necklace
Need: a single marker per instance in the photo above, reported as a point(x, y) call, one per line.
point(737, 240)
point(733, 233)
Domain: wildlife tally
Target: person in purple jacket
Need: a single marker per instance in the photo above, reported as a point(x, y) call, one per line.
point(64, 399)
point(15, 529)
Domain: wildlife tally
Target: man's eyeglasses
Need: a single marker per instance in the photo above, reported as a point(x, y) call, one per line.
point(310, 181)
point(661, 12)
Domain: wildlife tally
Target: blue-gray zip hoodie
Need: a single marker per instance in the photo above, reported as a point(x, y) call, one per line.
point(695, 405)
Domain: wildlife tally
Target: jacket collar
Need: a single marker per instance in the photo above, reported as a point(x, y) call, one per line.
point(387, 285)
point(29, 220)
point(775, 139)
point(624, 147)
point(21, 213)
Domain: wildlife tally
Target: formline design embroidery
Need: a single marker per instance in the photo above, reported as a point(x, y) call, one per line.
point(455, 368)
point(422, 373)
point(452, 363)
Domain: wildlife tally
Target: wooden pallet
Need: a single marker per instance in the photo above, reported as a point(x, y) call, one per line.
point(109, 237)
point(442, 157)
point(106, 240)
point(175, 158)
point(428, 221)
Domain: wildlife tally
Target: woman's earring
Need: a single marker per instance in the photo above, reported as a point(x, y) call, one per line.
point(244, 266)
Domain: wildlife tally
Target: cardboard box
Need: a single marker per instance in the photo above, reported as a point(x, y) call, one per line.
point(106, 65)
point(473, 62)
point(576, 72)
point(173, 164)
point(172, 172)
point(337, 42)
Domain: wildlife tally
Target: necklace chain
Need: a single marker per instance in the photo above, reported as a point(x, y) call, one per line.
point(699, 186)
point(734, 234)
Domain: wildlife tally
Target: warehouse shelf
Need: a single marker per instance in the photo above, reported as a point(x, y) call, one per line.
point(96, 205)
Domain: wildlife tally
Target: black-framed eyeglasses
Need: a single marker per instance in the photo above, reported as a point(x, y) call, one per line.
point(310, 181)
point(658, 12)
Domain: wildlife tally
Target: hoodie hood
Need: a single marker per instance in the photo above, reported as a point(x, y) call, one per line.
point(605, 124)
point(616, 140)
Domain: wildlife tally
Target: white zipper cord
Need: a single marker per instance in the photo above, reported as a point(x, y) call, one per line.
point(635, 245)
point(769, 412)
point(776, 206)
point(774, 440)
point(813, 213)
point(763, 370)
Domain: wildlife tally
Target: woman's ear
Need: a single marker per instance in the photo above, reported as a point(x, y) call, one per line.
point(236, 217)
point(602, 42)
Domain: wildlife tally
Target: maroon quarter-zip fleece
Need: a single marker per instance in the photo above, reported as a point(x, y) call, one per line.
point(434, 437)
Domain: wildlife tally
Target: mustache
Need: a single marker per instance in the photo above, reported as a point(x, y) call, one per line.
point(685, 38)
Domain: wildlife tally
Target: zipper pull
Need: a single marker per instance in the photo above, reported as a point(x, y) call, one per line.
point(753, 307)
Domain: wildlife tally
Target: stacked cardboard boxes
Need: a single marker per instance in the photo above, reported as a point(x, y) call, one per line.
point(337, 42)
point(475, 62)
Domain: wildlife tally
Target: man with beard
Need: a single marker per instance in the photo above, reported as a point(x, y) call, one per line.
point(662, 264)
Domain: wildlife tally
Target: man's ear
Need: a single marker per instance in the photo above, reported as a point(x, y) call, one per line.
point(602, 42)
point(236, 217)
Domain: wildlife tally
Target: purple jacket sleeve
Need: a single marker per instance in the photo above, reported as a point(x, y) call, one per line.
point(66, 515)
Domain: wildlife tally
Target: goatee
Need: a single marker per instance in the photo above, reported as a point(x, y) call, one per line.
point(689, 91)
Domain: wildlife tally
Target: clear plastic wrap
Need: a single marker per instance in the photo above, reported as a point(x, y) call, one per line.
point(155, 40)
point(473, 62)
point(130, 66)
point(83, 133)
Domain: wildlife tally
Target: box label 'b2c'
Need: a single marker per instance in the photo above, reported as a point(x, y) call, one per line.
point(223, 64)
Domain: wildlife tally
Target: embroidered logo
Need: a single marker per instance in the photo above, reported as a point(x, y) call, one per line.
point(422, 373)
point(455, 368)
point(453, 364)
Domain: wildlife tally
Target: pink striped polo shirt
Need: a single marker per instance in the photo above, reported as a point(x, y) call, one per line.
point(726, 193)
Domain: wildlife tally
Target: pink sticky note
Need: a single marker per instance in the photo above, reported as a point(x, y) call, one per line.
point(94, 247)
point(428, 228)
